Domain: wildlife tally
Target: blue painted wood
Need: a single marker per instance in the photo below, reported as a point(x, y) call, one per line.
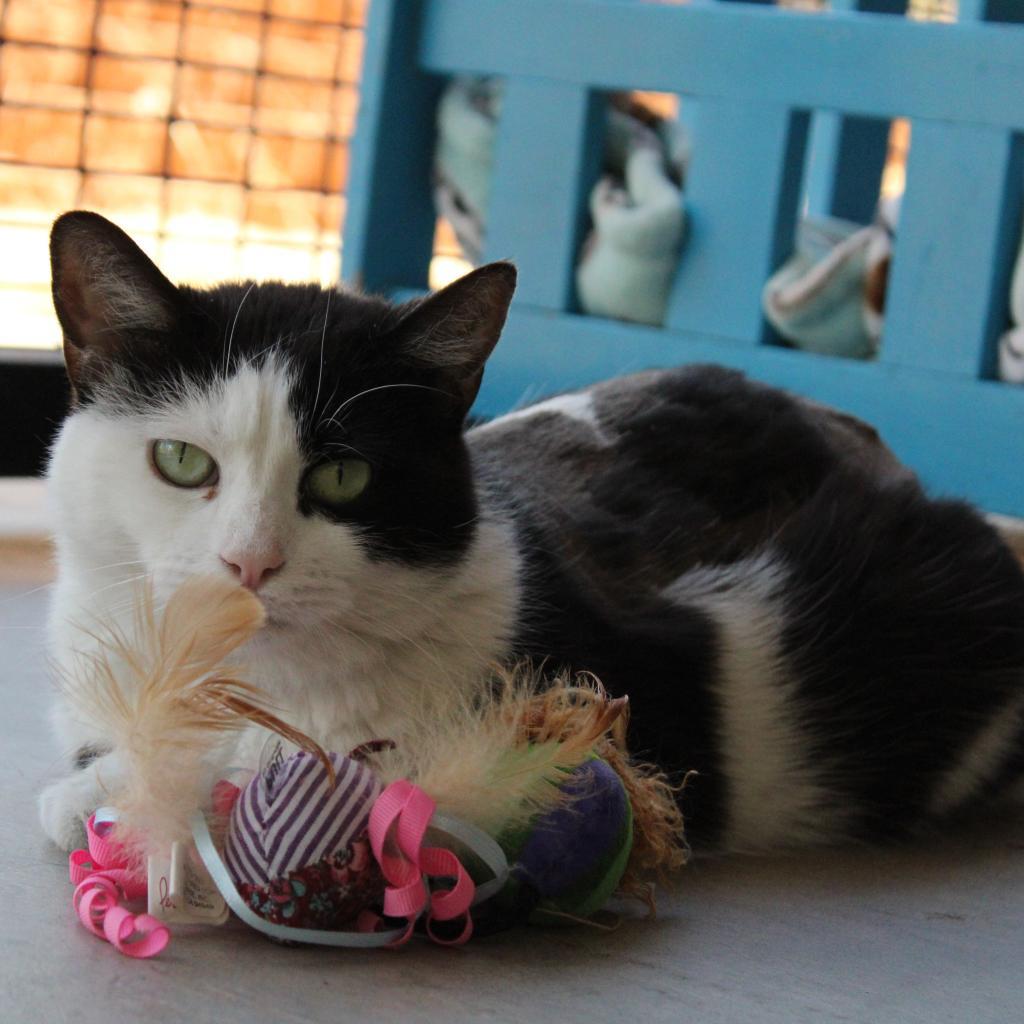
point(870, 64)
point(752, 74)
point(848, 154)
point(1010, 11)
point(547, 158)
point(389, 226)
point(733, 246)
point(941, 307)
point(991, 10)
point(959, 434)
point(846, 160)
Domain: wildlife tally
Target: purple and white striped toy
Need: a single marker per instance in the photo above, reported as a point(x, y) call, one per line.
point(296, 846)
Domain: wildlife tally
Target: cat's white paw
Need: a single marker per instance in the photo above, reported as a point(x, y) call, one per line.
point(65, 805)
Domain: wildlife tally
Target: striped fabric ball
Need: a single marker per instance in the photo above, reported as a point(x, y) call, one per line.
point(290, 817)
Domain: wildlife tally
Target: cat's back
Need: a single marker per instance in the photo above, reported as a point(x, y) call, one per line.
point(835, 654)
point(666, 469)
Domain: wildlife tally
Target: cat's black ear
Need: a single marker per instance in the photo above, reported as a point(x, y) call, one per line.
point(454, 330)
point(106, 290)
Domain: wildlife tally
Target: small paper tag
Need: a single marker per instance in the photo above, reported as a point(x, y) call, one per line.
point(181, 890)
point(273, 756)
point(158, 885)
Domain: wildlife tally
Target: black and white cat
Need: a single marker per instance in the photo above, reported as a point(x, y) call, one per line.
point(838, 656)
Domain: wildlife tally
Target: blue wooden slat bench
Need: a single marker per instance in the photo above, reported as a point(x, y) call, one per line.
point(758, 78)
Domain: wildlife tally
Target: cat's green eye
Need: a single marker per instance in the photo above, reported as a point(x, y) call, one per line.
point(183, 464)
point(337, 483)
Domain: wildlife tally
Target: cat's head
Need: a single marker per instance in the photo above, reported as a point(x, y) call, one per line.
point(305, 440)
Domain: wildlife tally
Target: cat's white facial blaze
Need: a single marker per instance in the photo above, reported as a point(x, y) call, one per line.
point(246, 425)
point(353, 645)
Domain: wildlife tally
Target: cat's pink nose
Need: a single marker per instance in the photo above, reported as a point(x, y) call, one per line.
point(253, 569)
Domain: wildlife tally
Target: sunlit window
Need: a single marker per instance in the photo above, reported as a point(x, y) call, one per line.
point(216, 133)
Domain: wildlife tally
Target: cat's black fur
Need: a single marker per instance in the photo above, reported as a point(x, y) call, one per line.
point(901, 619)
point(904, 616)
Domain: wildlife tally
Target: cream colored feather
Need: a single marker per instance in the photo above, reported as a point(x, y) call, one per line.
point(170, 704)
point(498, 761)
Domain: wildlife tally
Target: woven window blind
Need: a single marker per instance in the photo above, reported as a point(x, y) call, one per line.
point(216, 133)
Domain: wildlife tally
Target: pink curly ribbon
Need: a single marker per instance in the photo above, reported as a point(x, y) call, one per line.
point(102, 878)
point(406, 810)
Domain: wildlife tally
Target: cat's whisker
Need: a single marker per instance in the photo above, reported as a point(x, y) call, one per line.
point(327, 639)
point(260, 353)
point(114, 565)
point(392, 632)
point(323, 339)
point(333, 418)
point(342, 446)
point(310, 417)
point(458, 634)
point(49, 586)
point(116, 583)
point(234, 324)
point(27, 593)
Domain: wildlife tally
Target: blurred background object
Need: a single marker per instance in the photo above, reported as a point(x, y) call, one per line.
point(216, 132)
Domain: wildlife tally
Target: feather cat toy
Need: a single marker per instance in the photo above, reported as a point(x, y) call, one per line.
point(526, 796)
